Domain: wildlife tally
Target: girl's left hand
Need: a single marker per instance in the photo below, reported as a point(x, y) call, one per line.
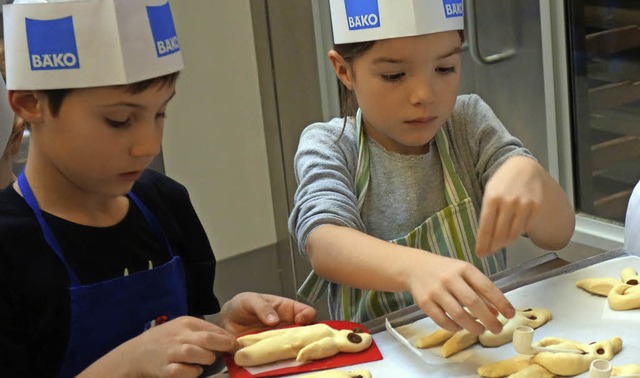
point(248, 312)
point(511, 204)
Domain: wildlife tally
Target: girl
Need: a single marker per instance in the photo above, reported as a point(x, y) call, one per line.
point(106, 269)
point(408, 172)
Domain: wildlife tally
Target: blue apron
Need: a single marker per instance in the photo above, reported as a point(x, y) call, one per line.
point(106, 314)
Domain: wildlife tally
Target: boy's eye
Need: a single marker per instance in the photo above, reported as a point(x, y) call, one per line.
point(162, 115)
point(446, 69)
point(117, 122)
point(393, 77)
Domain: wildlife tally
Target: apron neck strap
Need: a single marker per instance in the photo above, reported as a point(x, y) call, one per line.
point(28, 195)
point(454, 190)
point(49, 236)
point(153, 222)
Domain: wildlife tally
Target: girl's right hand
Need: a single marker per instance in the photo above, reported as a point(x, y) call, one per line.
point(177, 348)
point(455, 294)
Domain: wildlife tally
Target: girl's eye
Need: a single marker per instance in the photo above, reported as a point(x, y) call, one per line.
point(446, 70)
point(162, 115)
point(393, 77)
point(117, 123)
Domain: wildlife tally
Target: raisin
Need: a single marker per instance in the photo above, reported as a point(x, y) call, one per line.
point(354, 338)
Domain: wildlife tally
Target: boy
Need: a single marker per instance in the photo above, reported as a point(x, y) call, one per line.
point(98, 252)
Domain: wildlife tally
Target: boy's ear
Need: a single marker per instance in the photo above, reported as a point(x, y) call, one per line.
point(28, 105)
point(342, 69)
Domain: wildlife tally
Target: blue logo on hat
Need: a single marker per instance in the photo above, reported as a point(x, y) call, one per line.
point(52, 44)
point(163, 29)
point(362, 14)
point(452, 8)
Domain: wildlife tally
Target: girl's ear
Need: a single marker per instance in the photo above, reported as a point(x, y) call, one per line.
point(28, 105)
point(342, 69)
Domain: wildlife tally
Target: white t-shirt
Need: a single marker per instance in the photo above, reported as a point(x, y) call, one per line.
point(632, 223)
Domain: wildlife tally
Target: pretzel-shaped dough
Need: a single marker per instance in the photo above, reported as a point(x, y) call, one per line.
point(453, 342)
point(339, 374)
point(571, 363)
point(623, 294)
point(304, 343)
point(624, 297)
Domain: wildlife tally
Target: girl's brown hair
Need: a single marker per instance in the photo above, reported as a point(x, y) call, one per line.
point(349, 52)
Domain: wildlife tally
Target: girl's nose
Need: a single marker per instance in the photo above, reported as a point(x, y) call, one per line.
point(422, 93)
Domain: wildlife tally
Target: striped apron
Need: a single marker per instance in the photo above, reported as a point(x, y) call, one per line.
point(450, 232)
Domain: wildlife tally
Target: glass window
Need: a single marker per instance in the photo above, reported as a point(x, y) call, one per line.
point(605, 88)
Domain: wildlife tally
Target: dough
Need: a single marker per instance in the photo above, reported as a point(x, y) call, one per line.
point(434, 339)
point(461, 340)
point(533, 371)
point(304, 343)
point(562, 364)
point(455, 342)
point(339, 374)
point(625, 370)
point(624, 297)
point(567, 364)
point(598, 286)
point(533, 318)
point(630, 276)
point(506, 367)
point(622, 294)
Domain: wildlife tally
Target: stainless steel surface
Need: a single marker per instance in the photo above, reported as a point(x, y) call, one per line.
point(474, 40)
point(524, 274)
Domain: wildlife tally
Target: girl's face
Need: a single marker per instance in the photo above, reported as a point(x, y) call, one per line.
point(102, 138)
point(406, 88)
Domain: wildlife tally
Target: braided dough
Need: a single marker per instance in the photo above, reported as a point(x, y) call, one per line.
point(563, 364)
point(622, 294)
point(339, 374)
point(453, 342)
point(571, 363)
point(304, 343)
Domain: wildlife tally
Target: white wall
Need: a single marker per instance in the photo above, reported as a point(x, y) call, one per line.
point(214, 140)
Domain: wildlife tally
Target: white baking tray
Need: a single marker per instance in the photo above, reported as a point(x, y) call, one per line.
point(577, 315)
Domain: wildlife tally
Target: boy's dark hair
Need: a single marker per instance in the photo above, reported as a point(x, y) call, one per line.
point(55, 97)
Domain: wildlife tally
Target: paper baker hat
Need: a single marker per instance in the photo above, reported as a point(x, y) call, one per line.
point(369, 20)
point(6, 117)
point(88, 43)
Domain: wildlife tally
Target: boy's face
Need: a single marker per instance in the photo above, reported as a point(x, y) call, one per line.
point(407, 87)
point(102, 138)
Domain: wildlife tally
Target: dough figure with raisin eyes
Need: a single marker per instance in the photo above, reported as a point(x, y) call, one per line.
point(453, 342)
point(305, 343)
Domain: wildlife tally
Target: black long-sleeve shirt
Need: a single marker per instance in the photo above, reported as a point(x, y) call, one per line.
point(34, 296)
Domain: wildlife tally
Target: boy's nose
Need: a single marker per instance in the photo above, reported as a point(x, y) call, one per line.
point(147, 141)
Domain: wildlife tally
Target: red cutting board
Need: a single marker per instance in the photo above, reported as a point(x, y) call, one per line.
point(341, 359)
